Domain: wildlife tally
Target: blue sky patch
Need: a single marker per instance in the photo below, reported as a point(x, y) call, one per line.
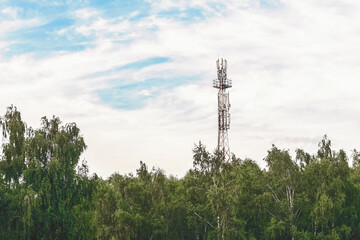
point(133, 66)
point(188, 15)
point(134, 96)
point(45, 39)
point(116, 8)
point(269, 4)
point(217, 6)
point(30, 9)
point(145, 63)
point(59, 15)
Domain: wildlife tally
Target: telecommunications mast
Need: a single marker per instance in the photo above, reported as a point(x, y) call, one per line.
point(222, 83)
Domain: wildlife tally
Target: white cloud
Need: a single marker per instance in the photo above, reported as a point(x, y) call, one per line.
point(62, 31)
point(13, 25)
point(134, 14)
point(9, 11)
point(294, 70)
point(85, 14)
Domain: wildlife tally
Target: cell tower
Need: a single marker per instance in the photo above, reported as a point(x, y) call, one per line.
point(222, 83)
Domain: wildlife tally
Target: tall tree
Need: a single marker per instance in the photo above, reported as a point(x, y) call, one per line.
point(282, 181)
point(12, 165)
point(45, 195)
point(13, 158)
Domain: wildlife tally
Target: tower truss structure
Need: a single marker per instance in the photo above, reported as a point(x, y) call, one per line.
point(222, 83)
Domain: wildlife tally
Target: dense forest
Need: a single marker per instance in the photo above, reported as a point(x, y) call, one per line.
point(47, 193)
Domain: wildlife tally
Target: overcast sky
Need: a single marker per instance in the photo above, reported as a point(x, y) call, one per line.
point(136, 76)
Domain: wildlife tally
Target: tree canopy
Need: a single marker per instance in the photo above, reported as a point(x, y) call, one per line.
point(46, 192)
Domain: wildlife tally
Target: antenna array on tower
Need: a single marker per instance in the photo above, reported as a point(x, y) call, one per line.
point(222, 83)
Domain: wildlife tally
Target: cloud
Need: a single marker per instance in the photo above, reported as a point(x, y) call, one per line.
point(9, 11)
point(85, 14)
point(14, 25)
point(294, 66)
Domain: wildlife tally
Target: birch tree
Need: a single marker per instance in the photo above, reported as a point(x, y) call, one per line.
point(282, 181)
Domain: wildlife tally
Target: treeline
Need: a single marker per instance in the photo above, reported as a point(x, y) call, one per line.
point(46, 193)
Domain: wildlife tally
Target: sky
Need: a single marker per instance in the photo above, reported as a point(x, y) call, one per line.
point(136, 76)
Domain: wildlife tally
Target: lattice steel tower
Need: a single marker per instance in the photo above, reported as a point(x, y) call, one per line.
point(222, 83)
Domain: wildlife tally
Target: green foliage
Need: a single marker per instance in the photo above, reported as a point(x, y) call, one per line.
point(47, 193)
point(43, 195)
